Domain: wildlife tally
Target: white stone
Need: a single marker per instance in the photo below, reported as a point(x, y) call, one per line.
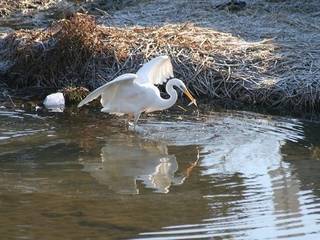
point(54, 102)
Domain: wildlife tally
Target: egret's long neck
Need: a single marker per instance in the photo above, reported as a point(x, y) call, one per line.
point(167, 103)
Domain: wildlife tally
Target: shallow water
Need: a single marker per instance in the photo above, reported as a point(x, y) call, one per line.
point(224, 175)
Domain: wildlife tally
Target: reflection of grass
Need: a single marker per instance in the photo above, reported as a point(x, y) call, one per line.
point(316, 152)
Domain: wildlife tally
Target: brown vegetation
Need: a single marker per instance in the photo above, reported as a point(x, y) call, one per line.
point(7, 7)
point(78, 52)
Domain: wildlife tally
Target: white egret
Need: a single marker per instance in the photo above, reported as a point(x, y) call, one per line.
point(133, 94)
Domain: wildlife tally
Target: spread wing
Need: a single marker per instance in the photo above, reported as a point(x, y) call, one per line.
point(156, 71)
point(123, 79)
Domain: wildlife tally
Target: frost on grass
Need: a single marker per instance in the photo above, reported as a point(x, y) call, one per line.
point(214, 64)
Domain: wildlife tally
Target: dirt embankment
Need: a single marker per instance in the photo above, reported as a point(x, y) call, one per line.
point(262, 52)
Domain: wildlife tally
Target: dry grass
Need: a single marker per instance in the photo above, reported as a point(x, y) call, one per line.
point(53, 57)
point(11, 6)
point(293, 26)
point(77, 52)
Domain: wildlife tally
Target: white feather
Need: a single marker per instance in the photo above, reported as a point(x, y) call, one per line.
point(99, 91)
point(156, 71)
point(135, 93)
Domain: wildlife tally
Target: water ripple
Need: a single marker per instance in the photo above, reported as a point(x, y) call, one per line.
point(242, 186)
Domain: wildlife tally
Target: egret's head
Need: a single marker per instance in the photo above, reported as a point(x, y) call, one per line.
point(185, 90)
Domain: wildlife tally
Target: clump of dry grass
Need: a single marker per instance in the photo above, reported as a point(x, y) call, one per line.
point(53, 57)
point(75, 94)
point(8, 7)
point(77, 52)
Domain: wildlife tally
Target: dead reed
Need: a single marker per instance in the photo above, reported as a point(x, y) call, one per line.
point(77, 52)
point(11, 6)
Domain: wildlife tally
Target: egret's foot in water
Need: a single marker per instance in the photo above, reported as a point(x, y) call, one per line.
point(136, 128)
point(131, 126)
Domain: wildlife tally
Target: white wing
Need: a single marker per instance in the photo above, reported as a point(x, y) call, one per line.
point(99, 91)
point(156, 71)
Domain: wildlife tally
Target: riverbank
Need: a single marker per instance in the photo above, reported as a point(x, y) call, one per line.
point(264, 53)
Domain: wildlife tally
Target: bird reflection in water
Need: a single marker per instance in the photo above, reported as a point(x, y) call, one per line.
point(126, 160)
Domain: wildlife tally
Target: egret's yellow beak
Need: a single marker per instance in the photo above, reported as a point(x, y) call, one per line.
point(192, 99)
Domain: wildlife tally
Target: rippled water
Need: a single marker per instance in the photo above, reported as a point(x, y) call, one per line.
point(219, 175)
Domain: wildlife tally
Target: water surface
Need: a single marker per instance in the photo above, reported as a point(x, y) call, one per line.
point(229, 175)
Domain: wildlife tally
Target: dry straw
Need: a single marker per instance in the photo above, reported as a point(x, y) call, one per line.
point(77, 52)
point(8, 7)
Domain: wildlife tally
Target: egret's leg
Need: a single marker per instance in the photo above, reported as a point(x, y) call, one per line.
point(130, 117)
point(136, 118)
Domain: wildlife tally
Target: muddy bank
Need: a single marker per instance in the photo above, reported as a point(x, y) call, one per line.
point(264, 53)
